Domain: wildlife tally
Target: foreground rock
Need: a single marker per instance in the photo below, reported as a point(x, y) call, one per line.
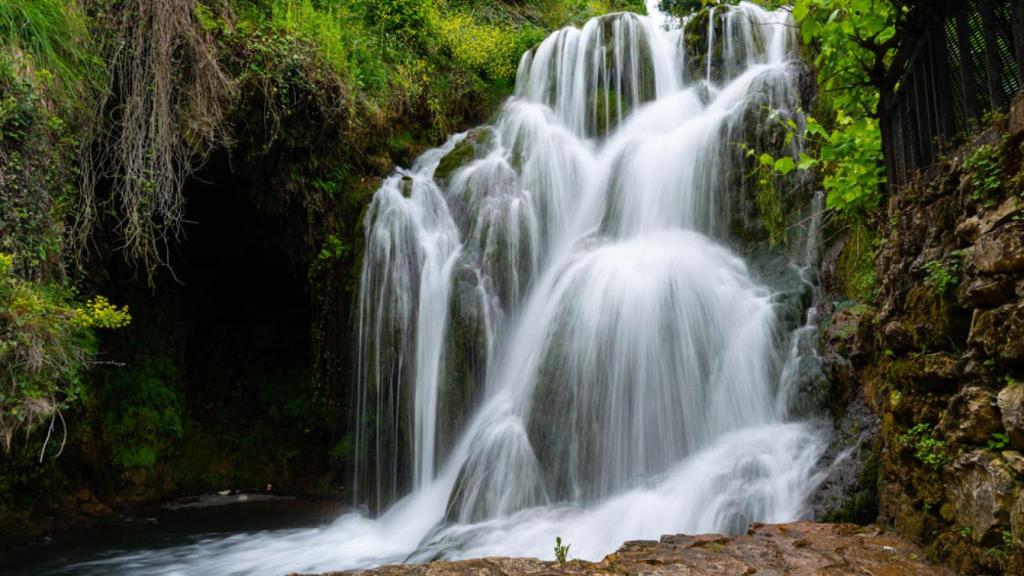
point(801, 548)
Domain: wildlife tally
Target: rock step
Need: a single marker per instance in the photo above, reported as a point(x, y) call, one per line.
point(796, 549)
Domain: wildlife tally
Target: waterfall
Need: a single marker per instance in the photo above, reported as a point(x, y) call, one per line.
point(622, 334)
point(558, 332)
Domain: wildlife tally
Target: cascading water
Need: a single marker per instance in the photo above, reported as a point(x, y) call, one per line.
point(555, 336)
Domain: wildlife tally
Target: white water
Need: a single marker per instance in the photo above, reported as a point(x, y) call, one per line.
point(556, 340)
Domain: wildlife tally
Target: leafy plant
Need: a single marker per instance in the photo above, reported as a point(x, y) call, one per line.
point(983, 166)
point(941, 277)
point(854, 42)
point(46, 341)
point(998, 441)
point(561, 551)
point(928, 449)
point(55, 33)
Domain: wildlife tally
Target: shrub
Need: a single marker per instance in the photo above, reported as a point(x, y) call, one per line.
point(928, 449)
point(45, 344)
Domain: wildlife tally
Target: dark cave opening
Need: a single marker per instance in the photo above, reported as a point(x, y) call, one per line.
point(211, 384)
point(244, 297)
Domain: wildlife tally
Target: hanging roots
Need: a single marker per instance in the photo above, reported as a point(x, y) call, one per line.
point(164, 111)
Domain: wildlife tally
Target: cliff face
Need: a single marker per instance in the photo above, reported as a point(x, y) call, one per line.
point(939, 357)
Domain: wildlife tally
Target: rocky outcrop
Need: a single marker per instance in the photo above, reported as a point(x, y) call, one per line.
point(802, 548)
point(938, 354)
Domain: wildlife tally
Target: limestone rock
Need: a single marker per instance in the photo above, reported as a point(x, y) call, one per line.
point(1001, 250)
point(981, 490)
point(797, 549)
point(972, 415)
point(1000, 333)
point(1011, 405)
point(987, 291)
point(1015, 118)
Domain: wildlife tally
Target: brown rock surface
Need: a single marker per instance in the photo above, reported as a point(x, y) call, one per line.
point(1011, 405)
point(800, 548)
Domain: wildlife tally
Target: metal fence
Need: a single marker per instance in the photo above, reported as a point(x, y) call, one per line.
point(963, 66)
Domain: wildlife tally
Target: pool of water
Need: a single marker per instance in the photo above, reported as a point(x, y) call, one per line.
point(173, 525)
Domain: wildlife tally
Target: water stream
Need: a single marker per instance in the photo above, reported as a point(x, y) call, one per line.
point(557, 334)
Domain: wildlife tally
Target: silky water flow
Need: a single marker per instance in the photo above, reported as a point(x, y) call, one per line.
point(555, 337)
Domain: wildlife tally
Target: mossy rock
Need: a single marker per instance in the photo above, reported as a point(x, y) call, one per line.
point(470, 148)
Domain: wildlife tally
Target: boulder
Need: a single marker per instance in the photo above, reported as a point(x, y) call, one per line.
point(987, 291)
point(1015, 119)
point(981, 491)
point(1001, 250)
point(1011, 405)
point(1000, 333)
point(972, 415)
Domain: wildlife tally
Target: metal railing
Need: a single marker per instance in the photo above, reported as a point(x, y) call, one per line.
point(962, 67)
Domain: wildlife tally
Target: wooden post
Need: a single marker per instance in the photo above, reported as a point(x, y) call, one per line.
point(963, 36)
point(1017, 28)
point(941, 85)
point(993, 65)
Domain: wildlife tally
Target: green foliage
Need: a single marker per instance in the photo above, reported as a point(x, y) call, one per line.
point(486, 48)
point(45, 344)
point(765, 175)
point(998, 441)
point(334, 248)
point(942, 276)
point(856, 265)
point(55, 34)
point(561, 551)
point(928, 449)
point(38, 174)
point(983, 166)
point(853, 42)
point(137, 402)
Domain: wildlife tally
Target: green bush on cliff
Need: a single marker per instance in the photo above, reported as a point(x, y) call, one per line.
point(46, 340)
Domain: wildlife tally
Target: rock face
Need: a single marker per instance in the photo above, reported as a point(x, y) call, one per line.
point(1011, 404)
point(938, 355)
point(798, 549)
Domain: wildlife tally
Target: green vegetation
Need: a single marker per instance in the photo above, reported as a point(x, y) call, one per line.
point(46, 341)
point(856, 265)
point(998, 441)
point(54, 33)
point(108, 110)
point(561, 551)
point(853, 44)
point(942, 276)
point(928, 449)
point(983, 166)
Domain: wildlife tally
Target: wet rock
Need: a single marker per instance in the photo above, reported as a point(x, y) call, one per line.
point(935, 370)
point(1015, 460)
point(981, 491)
point(797, 549)
point(1015, 119)
point(849, 490)
point(1005, 212)
point(987, 291)
point(1001, 250)
point(972, 416)
point(1011, 405)
point(1017, 519)
point(463, 153)
point(969, 229)
point(86, 503)
point(1000, 333)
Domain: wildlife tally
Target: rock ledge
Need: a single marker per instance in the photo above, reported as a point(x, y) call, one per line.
point(800, 548)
